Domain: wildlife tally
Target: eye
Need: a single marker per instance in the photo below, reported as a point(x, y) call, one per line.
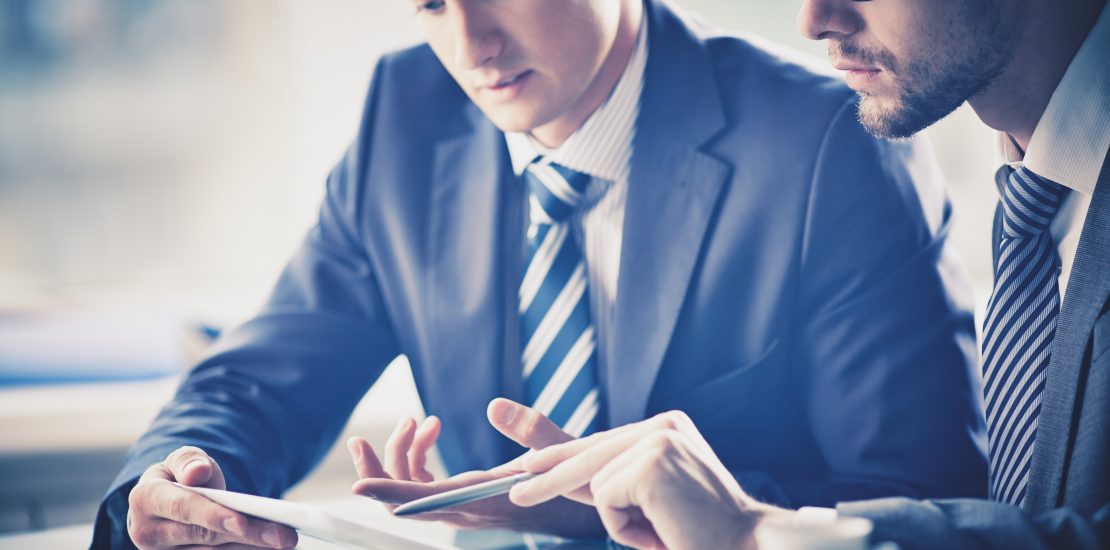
point(429, 6)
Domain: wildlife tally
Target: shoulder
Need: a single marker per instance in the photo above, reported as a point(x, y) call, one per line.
point(416, 65)
point(411, 90)
point(751, 70)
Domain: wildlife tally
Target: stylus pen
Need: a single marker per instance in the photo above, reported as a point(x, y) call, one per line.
point(461, 496)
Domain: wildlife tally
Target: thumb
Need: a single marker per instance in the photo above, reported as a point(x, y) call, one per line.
point(524, 425)
point(193, 467)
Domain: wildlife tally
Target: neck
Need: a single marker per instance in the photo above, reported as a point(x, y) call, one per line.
point(554, 133)
point(1048, 35)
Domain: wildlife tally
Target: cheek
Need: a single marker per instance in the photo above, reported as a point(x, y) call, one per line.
point(574, 39)
point(442, 46)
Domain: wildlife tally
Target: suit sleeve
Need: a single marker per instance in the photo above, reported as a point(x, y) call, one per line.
point(887, 362)
point(273, 394)
point(980, 524)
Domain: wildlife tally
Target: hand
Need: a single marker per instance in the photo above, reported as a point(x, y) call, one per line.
point(161, 515)
point(404, 477)
point(656, 484)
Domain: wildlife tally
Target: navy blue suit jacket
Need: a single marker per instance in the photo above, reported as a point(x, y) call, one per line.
point(1067, 504)
point(784, 279)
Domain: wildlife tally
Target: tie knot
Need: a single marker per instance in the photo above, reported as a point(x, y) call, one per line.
point(1029, 203)
point(554, 190)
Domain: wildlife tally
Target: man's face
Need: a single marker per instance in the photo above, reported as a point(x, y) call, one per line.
point(525, 63)
point(912, 61)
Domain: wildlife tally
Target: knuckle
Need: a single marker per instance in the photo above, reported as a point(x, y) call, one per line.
point(185, 453)
point(532, 421)
point(674, 420)
point(200, 535)
point(136, 498)
point(681, 418)
point(664, 441)
point(177, 506)
point(142, 535)
point(595, 487)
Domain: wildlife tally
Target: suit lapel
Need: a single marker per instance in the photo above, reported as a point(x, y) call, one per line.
point(672, 194)
point(1088, 287)
point(474, 265)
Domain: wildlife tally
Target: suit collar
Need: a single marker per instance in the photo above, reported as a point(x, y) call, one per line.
point(673, 191)
point(1073, 135)
point(1087, 293)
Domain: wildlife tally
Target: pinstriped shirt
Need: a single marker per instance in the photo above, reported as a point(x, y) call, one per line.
point(602, 149)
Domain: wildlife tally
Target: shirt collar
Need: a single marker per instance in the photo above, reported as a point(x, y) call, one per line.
point(1070, 142)
point(602, 146)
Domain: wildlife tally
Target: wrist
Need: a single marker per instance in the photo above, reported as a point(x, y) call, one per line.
point(755, 514)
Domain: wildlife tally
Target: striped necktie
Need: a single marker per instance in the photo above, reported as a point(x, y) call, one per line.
point(559, 346)
point(1019, 328)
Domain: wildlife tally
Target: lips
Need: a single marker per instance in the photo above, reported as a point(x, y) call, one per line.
point(859, 77)
point(842, 66)
point(504, 88)
point(500, 82)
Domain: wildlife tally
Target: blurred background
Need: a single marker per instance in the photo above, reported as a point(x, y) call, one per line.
point(159, 162)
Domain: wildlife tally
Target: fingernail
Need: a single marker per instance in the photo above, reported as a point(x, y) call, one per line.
point(232, 526)
point(271, 536)
point(508, 413)
point(356, 451)
point(192, 463)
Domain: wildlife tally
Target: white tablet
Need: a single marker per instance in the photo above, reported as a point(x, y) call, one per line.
point(313, 521)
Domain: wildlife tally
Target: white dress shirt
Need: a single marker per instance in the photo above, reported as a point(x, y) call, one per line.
point(602, 149)
point(1071, 139)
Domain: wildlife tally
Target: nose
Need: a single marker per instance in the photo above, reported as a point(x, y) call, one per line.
point(822, 19)
point(477, 40)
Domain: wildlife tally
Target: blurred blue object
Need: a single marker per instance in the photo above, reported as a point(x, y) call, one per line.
point(82, 346)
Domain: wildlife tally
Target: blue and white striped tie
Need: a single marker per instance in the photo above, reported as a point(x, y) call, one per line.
point(1019, 328)
point(557, 338)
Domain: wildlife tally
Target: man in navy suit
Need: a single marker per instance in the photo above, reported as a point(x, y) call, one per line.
point(1039, 73)
point(604, 210)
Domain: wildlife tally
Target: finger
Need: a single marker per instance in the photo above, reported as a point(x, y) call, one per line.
point(208, 523)
point(397, 449)
point(227, 546)
point(629, 528)
point(617, 504)
point(192, 466)
point(400, 491)
point(422, 442)
point(366, 461)
point(524, 425)
point(544, 460)
point(573, 473)
point(607, 478)
point(163, 499)
point(260, 535)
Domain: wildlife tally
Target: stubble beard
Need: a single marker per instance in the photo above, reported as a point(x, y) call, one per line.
point(937, 83)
